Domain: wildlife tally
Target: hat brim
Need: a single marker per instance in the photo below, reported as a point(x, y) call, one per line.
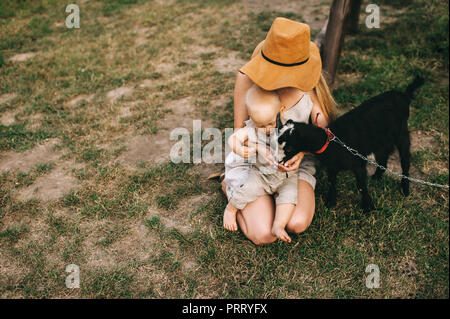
point(270, 76)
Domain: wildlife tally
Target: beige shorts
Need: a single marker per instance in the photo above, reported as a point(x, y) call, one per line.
point(307, 169)
point(257, 185)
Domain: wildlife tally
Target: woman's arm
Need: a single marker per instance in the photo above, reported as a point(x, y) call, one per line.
point(242, 84)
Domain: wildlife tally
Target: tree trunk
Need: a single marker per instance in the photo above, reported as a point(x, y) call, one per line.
point(353, 17)
point(334, 37)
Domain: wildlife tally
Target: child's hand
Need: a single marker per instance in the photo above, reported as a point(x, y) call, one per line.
point(264, 151)
point(246, 151)
point(240, 145)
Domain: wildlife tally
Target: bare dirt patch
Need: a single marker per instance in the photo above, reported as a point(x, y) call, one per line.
point(7, 97)
point(141, 30)
point(165, 2)
point(156, 148)
point(140, 40)
point(24, 161)
point(116, 94)
point(141, 33)
point(165, 67)
point(146, 83)
point(51, 186)
point(230, 63)
point(193, 53)
point(22, 57)
point(125, 111)
point(314, 13)
point(79, 98)
point(420, 140)
point(180, 218)
point(133, 244)
point(8, 118)
point(153, 148)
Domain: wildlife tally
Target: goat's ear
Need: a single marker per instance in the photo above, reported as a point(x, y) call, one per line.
point(279, 124)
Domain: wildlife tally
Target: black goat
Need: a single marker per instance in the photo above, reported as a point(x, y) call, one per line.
point(376, 126)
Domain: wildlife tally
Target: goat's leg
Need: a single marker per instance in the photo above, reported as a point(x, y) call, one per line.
point(331, 198)
point(403, 147)
point(361, 181)
point(382, 157)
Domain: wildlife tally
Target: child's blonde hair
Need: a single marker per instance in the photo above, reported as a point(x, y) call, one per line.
point(326, 100)
point(261, 104)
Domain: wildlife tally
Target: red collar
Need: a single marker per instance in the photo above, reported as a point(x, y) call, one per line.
point(330, 137)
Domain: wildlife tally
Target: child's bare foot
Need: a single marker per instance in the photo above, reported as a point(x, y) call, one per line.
point(229, 217)
point(280, 233)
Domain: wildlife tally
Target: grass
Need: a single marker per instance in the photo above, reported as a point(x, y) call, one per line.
point(155, 230)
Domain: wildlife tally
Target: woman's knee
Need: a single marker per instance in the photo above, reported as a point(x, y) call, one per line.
point(299, 222)
point(262, 238)
point(256, 220)
point(259, 234)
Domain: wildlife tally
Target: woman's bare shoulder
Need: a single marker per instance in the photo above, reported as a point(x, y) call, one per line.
point(243, 82)
point(243, 77)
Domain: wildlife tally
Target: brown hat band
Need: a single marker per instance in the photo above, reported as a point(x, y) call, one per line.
point(283, 64)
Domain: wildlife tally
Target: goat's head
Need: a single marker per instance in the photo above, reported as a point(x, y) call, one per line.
point(296, 137)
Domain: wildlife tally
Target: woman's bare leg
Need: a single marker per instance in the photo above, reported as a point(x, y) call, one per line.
point(256, 220)
point(304, 211)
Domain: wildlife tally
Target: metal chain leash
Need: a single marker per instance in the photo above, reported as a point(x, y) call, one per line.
point(355, 152)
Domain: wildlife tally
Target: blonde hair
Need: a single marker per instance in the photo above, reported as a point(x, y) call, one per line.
point(326, 100)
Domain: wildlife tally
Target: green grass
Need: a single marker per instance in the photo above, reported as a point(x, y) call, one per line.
point(13, 234)
point(155, 231)
point(18, 137)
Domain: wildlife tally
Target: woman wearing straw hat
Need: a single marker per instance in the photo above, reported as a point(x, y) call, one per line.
point(289, 63)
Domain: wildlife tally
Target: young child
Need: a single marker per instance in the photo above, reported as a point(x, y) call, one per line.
point(246, 181)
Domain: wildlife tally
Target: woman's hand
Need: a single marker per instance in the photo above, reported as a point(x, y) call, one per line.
point(292, 164)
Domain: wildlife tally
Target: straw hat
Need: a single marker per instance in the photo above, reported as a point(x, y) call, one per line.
point(286, 58)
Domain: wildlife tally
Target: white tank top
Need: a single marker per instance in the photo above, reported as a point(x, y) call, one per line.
point(300, 112)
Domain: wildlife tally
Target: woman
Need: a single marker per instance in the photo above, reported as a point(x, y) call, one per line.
point(289, 63)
